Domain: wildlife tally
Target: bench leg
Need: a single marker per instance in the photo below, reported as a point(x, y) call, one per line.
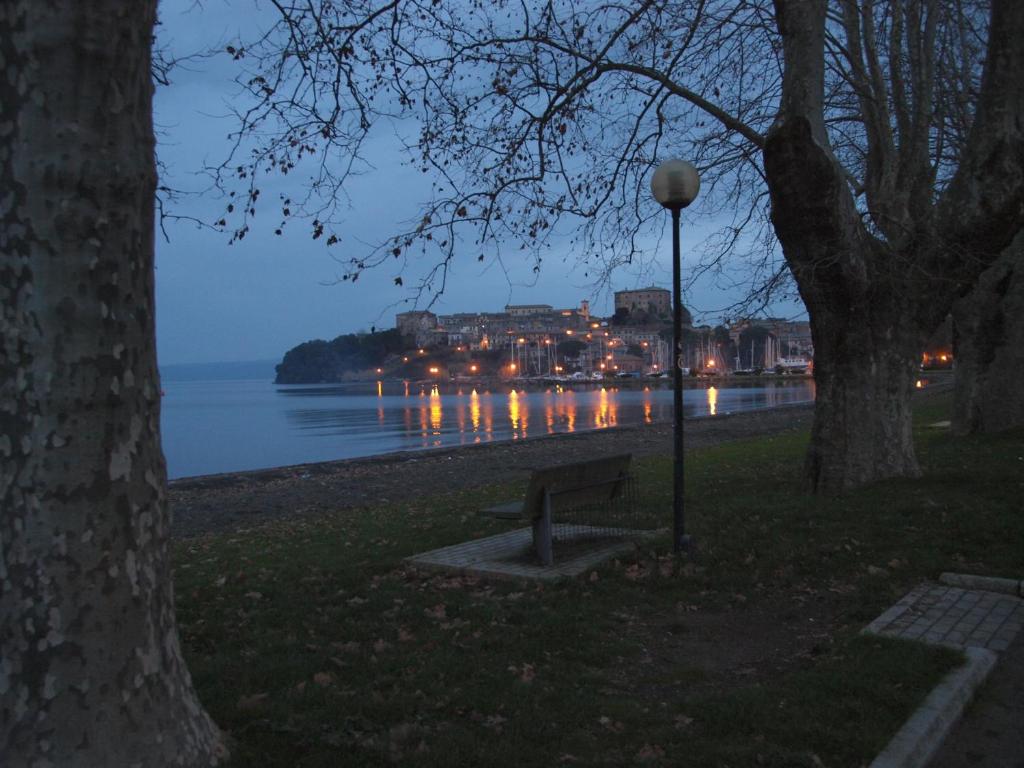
point(542, 533)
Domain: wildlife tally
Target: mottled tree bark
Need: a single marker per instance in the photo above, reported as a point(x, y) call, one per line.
point(91, 673)
point(988, 392)
point(874, 296)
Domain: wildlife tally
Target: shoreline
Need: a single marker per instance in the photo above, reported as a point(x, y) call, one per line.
point(220, 502)
point(411, 454)
point(629, 382)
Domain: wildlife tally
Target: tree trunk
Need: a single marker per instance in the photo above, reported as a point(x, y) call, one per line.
point(872, 299)
point(864, 355)
point(862, 412)
point(988, 395)
point(91, 673)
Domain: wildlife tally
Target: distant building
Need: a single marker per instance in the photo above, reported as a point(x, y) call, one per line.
point(638, 335)
point(656, 301)
point(523, 310)
point(488, 329)
point(420, 325)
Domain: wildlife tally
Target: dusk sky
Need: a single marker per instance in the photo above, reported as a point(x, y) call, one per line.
point(259, 297)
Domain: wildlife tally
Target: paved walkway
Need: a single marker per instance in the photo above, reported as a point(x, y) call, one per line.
point(509, 554)
point(955, 617)
point(991, 734)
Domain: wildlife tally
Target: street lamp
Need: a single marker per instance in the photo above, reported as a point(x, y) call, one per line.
point(675, 185)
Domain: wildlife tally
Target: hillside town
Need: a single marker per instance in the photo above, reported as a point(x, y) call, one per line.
point(540, 341)
point(530, 340)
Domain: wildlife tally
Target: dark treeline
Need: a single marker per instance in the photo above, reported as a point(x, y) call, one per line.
point(319, 361)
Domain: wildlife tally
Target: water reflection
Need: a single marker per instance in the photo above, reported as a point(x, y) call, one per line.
point(225, 426)
point(513, 411)
point(474, 413)
point(606, 414)
point(423, 417)
point(388, 416)
point(435, 411)
point(488, 415)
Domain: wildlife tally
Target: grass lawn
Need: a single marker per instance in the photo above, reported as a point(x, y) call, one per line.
point(313, 646)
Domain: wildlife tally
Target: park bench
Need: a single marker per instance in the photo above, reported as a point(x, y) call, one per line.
point(603, 484)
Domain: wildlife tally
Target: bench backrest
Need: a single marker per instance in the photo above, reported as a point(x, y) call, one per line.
point(581, 482)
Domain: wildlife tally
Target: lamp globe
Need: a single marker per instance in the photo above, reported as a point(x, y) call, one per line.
point(675, 184)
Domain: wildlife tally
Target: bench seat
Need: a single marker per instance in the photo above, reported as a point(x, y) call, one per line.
point(563, 487)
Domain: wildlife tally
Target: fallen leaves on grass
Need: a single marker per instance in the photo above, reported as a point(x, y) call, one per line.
point(682, 721)
point(526, 673)
point(438, 612)
point(611, 725)
point(495, 722)
point(649, 752)
point(635, 572)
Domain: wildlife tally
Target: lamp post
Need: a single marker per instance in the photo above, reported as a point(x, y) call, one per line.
point(675, 185)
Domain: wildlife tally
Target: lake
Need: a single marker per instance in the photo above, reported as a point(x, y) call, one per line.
point(226, 417)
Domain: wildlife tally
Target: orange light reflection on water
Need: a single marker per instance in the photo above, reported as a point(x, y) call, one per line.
point(513, 412)
point(474, 412)
point(712, 400)
point(607, 414)
point(435, 411)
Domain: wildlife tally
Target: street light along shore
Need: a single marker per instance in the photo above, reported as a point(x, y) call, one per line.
point(675, 185)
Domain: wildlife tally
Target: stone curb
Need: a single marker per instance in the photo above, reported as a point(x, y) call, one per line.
point(921, 736)
point(984, 583)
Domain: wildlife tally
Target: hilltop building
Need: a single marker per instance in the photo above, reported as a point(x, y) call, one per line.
point(653, 300)
point(419, 325)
